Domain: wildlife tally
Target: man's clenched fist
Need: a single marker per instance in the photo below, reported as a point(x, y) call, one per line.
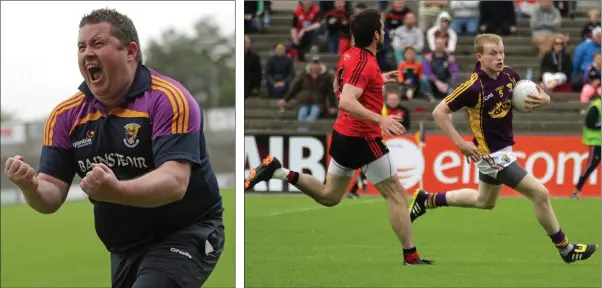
point(101, 183)
point(20, 173)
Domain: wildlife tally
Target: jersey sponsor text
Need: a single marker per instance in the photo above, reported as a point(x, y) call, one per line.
point(111, 160)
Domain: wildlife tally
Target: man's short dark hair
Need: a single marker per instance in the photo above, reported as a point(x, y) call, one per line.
point(363, 27)
point(122, 26)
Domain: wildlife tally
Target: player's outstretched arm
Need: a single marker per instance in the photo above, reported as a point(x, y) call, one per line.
point(463, 96)
point(441, 114)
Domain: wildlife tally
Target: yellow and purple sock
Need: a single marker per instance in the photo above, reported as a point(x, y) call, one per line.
point(435, 200)
point(561, 242)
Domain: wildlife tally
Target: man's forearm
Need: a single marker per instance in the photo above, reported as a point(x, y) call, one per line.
point(46, 198)
point(445, 124)
point(355, 108)
point(154, 189)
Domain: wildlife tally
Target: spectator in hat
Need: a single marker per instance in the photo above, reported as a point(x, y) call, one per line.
point(442, 30)
point(310, 92)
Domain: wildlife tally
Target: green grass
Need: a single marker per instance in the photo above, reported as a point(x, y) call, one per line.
point(292, 241)
point(62, 250)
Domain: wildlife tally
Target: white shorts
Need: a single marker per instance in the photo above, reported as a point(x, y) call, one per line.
point(376, 171)
point(491, 164)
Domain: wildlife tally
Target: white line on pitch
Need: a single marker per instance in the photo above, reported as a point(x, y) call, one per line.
point(316, 207)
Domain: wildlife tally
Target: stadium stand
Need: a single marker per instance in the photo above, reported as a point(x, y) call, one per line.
point(561, 116)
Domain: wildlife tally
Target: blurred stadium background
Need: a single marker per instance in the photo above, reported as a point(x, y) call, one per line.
point(289, 238)
point(204, 63)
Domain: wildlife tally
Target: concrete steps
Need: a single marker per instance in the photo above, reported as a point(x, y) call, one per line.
point(284, 19)
point(561, 116)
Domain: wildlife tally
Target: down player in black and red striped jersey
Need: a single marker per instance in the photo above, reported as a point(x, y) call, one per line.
point(356, 136)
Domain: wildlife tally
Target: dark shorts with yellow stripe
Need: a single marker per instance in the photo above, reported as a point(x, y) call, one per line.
point(355, 152)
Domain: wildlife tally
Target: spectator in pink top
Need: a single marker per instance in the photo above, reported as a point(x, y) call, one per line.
point(592, 80)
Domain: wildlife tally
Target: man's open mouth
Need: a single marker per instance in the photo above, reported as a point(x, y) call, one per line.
point(95, 72)
point(500, 65)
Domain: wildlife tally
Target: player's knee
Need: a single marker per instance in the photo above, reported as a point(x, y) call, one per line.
point(486, 205)
point(391, 190)
point(330, 201)
point(541, 196)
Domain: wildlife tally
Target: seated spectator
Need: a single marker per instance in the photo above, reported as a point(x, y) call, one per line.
point(428, 11)
point(310, 91)
point(405, 36)
point(252, 22)
point(583, 58)
point(441, 29)
point(466, 17)
point(497, 17)
point(327, 6)
point(592, 81)
point(337, 23)
point(394, 18)
point(566, 8)
point(594, 21)
point(556, 65)
point(394, 108)
point(527, 7)
point(410, 72)
point(306, 21)
point(279, 72)
point(545, 24)
point(439, 72)
point(264, 9)
point(252, 70)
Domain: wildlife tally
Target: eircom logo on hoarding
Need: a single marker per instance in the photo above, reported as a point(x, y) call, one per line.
point(556, 161)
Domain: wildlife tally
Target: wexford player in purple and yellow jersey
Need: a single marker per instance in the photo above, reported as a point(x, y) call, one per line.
point(135, 138)
point(487, 96)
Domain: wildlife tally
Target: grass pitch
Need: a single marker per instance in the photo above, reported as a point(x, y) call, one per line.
point(62, 250)
point(292, 241)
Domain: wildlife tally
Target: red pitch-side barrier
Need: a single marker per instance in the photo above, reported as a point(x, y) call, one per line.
point(557, 161)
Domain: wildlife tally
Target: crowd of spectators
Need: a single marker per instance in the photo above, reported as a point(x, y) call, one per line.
point(422, 44)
